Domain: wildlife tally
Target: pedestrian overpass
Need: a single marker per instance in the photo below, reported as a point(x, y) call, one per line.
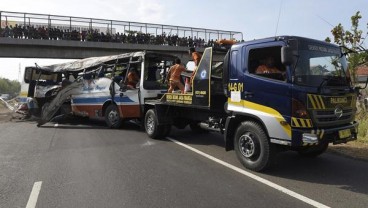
point(23, 46)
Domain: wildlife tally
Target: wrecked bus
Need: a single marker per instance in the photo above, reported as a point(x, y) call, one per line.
point(97, 87)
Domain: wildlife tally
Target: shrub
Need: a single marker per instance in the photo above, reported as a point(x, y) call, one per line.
point(363, 129)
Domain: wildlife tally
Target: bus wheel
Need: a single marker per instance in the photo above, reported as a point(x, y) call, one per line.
point(112, 117)
point(154, 130)
point(252, 146)
point(43, 110)
point(43, 116)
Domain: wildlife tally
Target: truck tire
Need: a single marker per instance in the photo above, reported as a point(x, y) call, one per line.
point(112, 117)
point(252, 146)
point(314, 151)
point(154, 130)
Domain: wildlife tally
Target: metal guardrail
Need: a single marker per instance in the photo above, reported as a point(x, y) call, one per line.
point(112, 26)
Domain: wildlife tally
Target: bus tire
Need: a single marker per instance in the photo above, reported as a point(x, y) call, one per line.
point(43, 117)
point(112, 117)
point(152, 128)
point(252, 146)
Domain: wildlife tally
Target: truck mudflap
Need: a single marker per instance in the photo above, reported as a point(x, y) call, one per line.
point(49, 109)
point(335, 135)
point(229, 133)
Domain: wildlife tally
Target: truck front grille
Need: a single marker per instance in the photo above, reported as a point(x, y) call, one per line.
point(328, 117)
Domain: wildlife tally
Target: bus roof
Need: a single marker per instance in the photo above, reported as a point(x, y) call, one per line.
point(82, 64)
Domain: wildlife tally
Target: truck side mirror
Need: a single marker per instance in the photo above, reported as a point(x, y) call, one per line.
point(286, 55)
point(289, 53)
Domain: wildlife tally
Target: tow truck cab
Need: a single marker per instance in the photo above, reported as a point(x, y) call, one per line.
point(309, 102)
point(277, 93)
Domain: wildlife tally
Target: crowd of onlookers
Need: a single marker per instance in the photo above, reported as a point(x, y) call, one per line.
point(52, 33)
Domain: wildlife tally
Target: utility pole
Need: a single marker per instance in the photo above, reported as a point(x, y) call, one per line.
point(19, 73)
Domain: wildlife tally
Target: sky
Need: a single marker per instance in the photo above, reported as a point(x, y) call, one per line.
point(255, 19)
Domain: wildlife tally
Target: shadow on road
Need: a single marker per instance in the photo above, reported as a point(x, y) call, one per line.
point(72, 122)
point(189, 137)
point(328, 169)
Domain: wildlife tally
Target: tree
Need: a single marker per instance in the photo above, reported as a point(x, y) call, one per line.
point(9, 87)
point(353, 42)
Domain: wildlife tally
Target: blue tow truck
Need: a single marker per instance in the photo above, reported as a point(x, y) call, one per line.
point(305, 106)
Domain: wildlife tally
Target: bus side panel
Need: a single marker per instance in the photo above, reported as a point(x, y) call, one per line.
point(130, 111)
point(87, 110)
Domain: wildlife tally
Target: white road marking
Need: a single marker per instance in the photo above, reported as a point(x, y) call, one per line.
point(253, 176)
point(32, 201)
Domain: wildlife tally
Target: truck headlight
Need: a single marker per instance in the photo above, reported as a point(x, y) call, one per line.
point(299, 110)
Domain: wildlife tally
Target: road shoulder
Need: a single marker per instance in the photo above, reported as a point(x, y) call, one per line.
point(354, 150)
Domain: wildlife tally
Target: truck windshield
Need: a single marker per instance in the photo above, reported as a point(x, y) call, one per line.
point(320, 65)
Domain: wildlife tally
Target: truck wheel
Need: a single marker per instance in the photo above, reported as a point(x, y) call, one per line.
point(154, 130)
point(196, 128)
point(314, 151)
point(252, 146)
point(112, 117)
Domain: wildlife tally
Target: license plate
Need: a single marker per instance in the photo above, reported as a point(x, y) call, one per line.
point(344, 133)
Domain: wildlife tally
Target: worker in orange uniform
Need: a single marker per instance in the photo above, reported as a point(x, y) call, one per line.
point(132, 78)
point(174, 76)
point(196, 57)
point(268, 67)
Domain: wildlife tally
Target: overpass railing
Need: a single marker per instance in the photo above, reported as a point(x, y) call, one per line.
point(111, 27)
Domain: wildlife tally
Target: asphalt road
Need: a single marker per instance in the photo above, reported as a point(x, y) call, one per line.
point(84, 164)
